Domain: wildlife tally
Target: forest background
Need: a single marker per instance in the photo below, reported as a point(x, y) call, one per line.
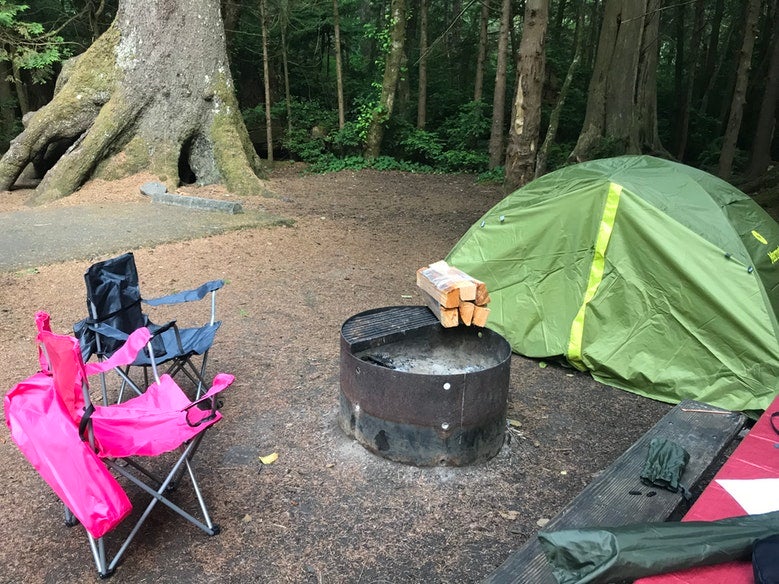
point(503, 89)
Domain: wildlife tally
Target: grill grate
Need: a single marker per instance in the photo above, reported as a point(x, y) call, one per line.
point(385, 325)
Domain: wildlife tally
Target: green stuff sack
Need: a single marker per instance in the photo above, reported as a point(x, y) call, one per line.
point(664, 466)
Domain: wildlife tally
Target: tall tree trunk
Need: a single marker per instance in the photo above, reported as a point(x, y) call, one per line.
point(554, 117)
point(481, 57)
point(131, 104)
point(266, 78)
point(728, 152)
point(683, 125)
point(231, 15)
point(680, 32)
point(621, 102)
point(646, 85)
point(422, 95)
point(22, 97)
point(499, 98)
point(7, 107)
point(760, 157)
point(526, 122)
point(403, 92)
point(389, 84)
point(339, 75)
point(283, 24)
point(557, 29)
point(93, 14)
point(711, 66)
point(591, 45)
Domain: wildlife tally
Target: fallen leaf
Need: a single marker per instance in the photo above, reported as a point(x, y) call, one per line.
point(542, 522)
point(542, 364)
point(510, 515)
point(270, 458)
point(514, 423)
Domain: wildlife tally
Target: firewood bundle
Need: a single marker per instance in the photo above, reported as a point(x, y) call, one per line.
point(453, 296)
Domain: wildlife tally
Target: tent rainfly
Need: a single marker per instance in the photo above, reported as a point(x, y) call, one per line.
point(658, 278)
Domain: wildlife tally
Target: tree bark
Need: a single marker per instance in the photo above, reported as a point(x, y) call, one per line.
point(283, 24)
point(7, 106)
point(646, 85)
point(339, 76)
point(134, 101)
point(389, 84)
point(712, 56)
point(484, 18)
point(231, 15)
point(22, 97)
point(728, 152)
point(554, 117)
point(760, 157)
point(266, 78)
point(422, 93)
point(499, 98)
point(683, 125)
point(526, 123)
point(621, 115)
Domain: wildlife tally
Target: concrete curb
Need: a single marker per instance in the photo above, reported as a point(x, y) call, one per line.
point(158, 193)
point(198, 203)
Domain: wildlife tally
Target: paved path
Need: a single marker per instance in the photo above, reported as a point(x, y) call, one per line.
point(35, 237)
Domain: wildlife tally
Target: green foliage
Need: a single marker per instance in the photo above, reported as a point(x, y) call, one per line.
point(348, 141)
point(303, 146)
point(557, 157)
point(469, 128)
point(306, 114)
point(26, 44)
point(463, 161)
point(331, 163)
point(494, 175)
point(606, 147)
point(423, 146)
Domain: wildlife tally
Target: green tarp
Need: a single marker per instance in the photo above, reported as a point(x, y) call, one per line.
point(614, 554)
point(658, 278)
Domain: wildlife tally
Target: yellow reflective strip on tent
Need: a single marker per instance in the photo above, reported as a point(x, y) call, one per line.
point(596, 274)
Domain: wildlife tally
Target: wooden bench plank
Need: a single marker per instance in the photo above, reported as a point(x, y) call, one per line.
point(704, 431)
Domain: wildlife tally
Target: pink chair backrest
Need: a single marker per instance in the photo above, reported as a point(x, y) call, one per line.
point(61, 356)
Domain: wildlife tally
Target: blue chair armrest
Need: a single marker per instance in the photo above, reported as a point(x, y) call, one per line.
point(187, 295)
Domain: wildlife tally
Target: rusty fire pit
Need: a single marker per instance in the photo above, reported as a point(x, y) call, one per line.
point(415, 392)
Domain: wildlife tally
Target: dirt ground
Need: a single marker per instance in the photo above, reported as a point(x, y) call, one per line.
point(327, 510)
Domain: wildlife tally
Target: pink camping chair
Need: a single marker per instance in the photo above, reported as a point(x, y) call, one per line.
point(73, 443)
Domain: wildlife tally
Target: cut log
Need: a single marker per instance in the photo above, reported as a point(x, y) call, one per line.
point(448, 288)
point(466, 312)
point(449, 317)
point(441, 286)
point(467, 290)
point(480, 314)
point(482, 297)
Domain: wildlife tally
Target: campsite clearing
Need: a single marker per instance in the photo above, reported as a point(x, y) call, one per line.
point(325, 510)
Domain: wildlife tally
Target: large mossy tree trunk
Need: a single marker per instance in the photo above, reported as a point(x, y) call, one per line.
point(153, 93)
point(621, 114)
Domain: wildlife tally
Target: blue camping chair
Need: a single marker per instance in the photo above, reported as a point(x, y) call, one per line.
point(114, 305)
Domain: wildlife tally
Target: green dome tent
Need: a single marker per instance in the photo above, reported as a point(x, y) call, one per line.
point(658, 278)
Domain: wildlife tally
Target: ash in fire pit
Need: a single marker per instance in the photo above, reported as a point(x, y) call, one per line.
point(415, 392)
point(419, 356)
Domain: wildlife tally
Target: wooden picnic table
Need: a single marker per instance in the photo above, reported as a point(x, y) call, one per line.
point(756, 457)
